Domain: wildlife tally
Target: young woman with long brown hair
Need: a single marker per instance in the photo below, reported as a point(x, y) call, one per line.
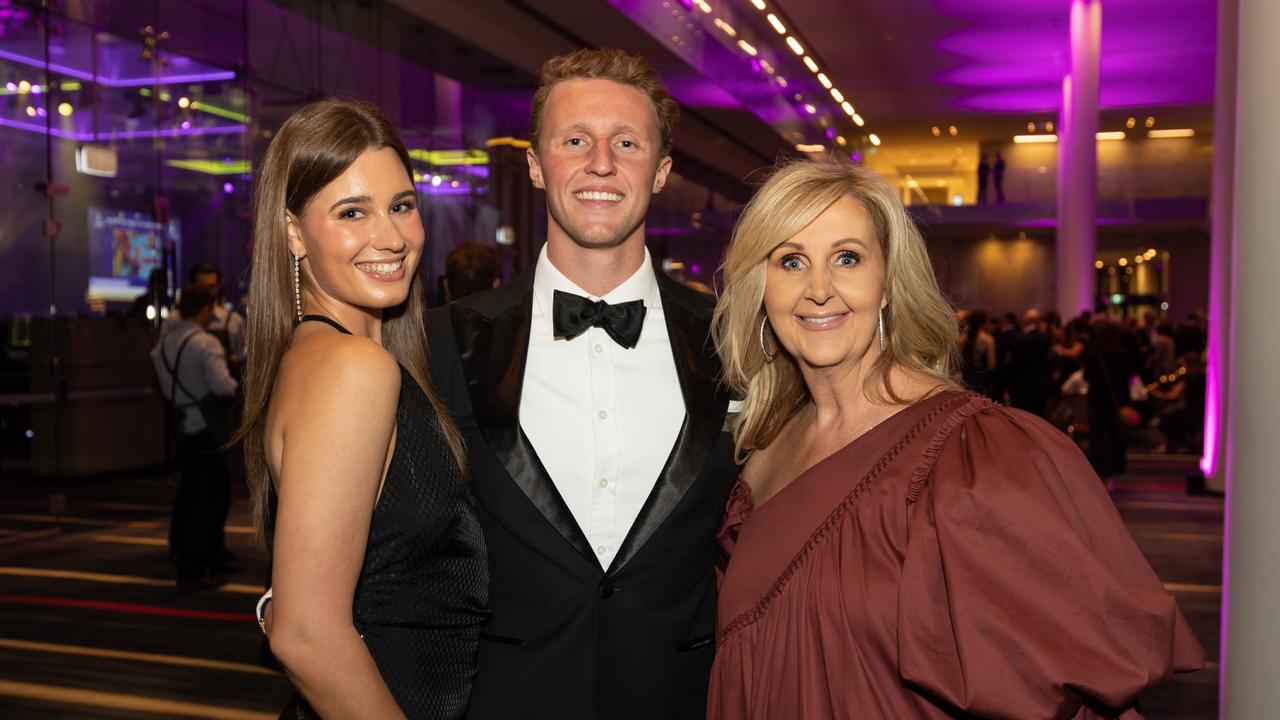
point(379, 577)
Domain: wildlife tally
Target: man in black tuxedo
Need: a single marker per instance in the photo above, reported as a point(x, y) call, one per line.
point(587, 392)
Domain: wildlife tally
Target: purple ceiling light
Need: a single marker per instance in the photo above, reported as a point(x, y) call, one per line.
point(1012, 57)
point(707, 40)
point(119, 134)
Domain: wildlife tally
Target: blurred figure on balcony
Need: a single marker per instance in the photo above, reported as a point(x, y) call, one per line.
point(997, 176)
point(1029, 371)
point(984, 169)
point(192, 368)
point(471, 268)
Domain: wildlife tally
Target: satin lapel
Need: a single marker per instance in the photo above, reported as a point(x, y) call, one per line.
point(705, 403)
point(493, 343)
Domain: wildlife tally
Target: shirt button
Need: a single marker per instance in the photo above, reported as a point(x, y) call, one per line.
point(603, 415)
point(599, 348)
point(604, 483)
point(600, 550)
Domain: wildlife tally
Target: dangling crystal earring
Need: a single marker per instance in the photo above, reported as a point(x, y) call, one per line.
point(768, 356)
point(297, 293)
point(881, 323)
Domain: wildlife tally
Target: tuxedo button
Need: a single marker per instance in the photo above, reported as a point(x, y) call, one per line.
point(604, 482)
point(599, 348)
point(604, 415)
point(606, 589)
point(600, 550)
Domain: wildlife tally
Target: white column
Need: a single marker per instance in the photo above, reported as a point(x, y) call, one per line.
point(1250, 669)
point(1078, 163)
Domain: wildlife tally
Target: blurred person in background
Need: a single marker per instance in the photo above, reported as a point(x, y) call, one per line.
point(1109, 369)
point(191, 366)
point(227, 324)
point(471, 268)
point(978, 354)
point(1030, 375)
point(153, 304)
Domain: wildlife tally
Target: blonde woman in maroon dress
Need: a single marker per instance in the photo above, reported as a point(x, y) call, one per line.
point(896, 547)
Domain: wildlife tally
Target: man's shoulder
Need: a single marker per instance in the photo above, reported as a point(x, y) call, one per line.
point(488, 303)
point(696, 302)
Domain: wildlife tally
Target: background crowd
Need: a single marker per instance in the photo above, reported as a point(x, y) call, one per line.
point(1112, 383)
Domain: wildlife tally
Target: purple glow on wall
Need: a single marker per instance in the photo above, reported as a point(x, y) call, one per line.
point(1212, 412)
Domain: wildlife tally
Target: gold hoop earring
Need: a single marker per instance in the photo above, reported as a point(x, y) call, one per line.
point(768, 356)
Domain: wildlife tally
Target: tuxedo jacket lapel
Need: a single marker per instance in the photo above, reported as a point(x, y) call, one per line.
point(493, 343)
point(688, 320)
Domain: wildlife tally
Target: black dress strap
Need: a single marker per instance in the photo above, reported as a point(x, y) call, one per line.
point(327, 321)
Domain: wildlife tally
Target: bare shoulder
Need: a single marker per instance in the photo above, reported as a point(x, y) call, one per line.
point(914, 387)
point(332, 359)
point(326, 373)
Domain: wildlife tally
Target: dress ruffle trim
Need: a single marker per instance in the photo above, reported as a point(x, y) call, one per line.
point(928, 461)
point(758, 611)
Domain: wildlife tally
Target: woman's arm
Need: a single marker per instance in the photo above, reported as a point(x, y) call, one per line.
point(335, 436)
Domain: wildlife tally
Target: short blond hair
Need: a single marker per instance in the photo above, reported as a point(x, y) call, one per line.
point(616, 65)
point(920, 325)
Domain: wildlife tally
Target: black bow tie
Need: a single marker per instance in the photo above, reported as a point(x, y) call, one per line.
point(572, 314)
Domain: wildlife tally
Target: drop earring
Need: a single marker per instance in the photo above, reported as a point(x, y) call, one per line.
point(880, 322)
point(297, 292)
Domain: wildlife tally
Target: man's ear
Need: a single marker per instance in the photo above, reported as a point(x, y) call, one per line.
point(664, 168)
point(293, 229)
point(535, 169)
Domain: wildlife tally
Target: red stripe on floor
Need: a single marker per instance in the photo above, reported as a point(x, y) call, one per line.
point(127, 608)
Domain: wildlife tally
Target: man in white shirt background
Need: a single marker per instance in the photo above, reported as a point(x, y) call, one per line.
point(191, 366)
point(587, 392)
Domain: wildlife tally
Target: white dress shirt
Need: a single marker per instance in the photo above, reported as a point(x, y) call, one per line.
point(202, 370)
point(602, 418)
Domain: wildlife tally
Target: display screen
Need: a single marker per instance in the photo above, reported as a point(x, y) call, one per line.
point(124, 247)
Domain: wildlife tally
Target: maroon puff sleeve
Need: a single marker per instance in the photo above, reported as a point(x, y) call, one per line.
point(1022, 594)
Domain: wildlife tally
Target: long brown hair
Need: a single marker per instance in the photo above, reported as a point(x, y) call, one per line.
point(920, 325)
point(313, 147)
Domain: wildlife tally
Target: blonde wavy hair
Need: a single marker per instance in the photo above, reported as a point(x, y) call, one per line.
point(920, 325)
